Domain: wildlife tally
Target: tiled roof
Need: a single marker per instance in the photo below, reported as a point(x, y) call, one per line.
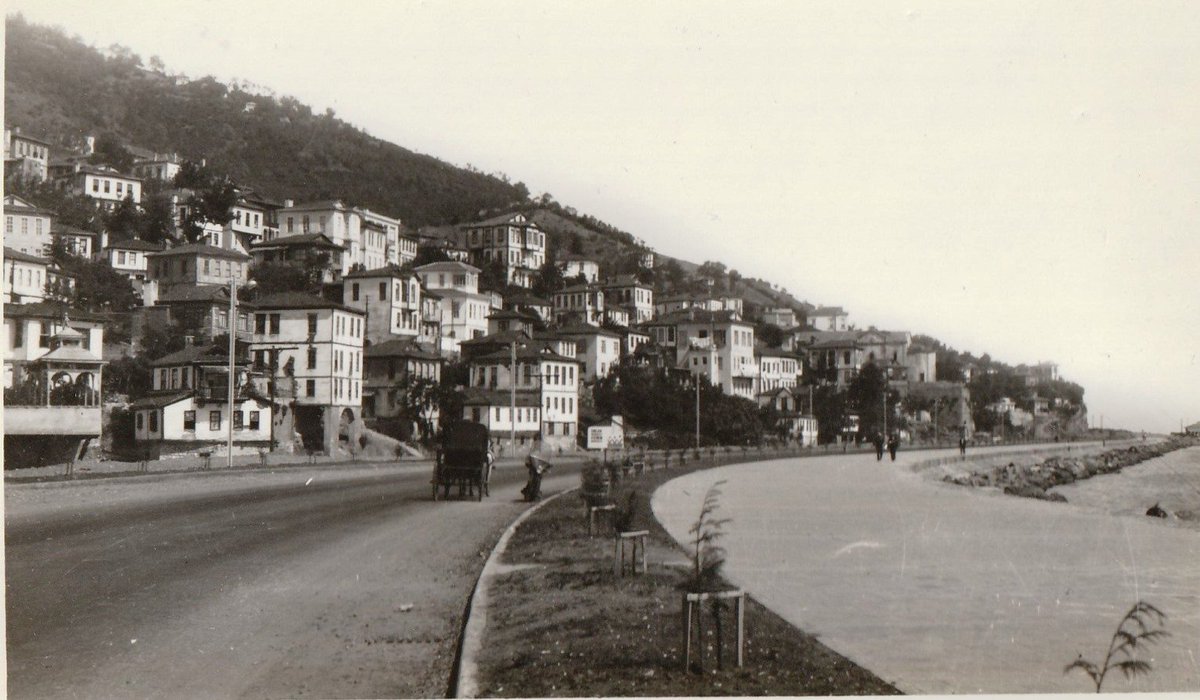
point(18, 256)
point(827, 311)
point(401, 347)
point(182, 293)
point(584, 329)
point(501, 219)
point(448, 266)
point(694, 315)
point(300, 300)
point(159, 399)
point(51, 310)
point(573, 289)
point(61, 229)
point(135, 244)
point(210, 352)
point(511, 314)
point(504, 337)
point(475, 396)
point(319, 240)
point(69, 353)
point(525, 353)
point(386, 271)
point(625, 281)
point(202, 249)
point(319, 204)
point(529, 300)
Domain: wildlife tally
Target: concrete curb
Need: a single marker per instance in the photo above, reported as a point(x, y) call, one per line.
point(466, 681)
point(977, 456)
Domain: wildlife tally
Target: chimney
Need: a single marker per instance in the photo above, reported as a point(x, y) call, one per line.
point(289, 203)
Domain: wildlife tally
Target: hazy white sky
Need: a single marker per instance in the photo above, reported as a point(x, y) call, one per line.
point(1015, 178)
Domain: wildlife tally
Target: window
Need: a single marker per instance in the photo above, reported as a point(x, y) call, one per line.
point(310, 388)
point(18, 334)
point(254, 420)
point(312, 357)
point(95, 185)
point(206, 266)
point(354, 291)
point(383, 291)
point(154, 421)
point(44, 337)
point(274, 324)
point(237, 420)
point(260, 324)
point(174, 377)
point(189, 420)
point(107, 183)
point(139, 420)
point(312, 324)
point(214, 420)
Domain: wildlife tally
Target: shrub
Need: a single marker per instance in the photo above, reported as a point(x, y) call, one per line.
point(708, 557)
point(1141, 625)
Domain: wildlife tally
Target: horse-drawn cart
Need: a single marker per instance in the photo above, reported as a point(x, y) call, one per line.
point(462, 461)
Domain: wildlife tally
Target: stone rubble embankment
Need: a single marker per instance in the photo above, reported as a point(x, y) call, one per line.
point(1036, 480)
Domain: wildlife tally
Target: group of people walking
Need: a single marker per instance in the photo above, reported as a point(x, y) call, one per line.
point(893, 444)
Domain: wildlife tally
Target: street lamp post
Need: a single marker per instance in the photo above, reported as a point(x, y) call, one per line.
point(232, 366)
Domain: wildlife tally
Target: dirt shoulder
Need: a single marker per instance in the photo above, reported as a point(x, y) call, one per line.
point(561, 623)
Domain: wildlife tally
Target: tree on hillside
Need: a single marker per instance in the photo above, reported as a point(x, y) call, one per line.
point(430, 254)
point(98, 287)
point(124, 220)
point(548, 280)
point(291, 276)
point(770, 334)
point(110, 151)
point(212, 205)
point(829, 408)
point(158, 219)
point(865, 394)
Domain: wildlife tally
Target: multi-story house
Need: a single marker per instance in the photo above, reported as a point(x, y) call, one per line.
point(252, 220)
point(511, 239)
point(108, 186)
point(464, 310)
point(921, 364)
point(507, 320)
point(319, 345)
point(531, 304)
point(27, 228)
point(76, 241)
point(549, 381)
point(381, 241)
point(828, 318)
point(598, 349)
point(200, 311)
point(311, 250)
point(196, 263)
point(391, 300)
point(838, 356)
point(406, 250)
point(572, 266)
point(632, 339)
point(25, 156)
point(794, 411)
point(53, 373)
point(731, 339)
point(782, 317)
point(617, 316)
point(504, 421)
point(581, 303)
point(777, 369)
point(25, 277)
point(391, 368)
point(162, 167)
point(129, 257)
point(189, 406)
point(625, 291)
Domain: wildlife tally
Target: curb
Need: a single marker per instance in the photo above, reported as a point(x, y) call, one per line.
point(466, 671)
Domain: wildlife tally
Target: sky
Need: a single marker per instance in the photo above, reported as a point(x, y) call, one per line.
point(1017, 178)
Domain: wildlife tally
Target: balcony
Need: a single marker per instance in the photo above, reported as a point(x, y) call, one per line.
point(219, 394)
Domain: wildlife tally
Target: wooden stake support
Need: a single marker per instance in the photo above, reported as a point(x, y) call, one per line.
point(593, 511)
point(637, 540)
point(694, 602)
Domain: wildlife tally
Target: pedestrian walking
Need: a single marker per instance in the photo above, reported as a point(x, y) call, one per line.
point(893, 445)
point(962, 446)
point(878, 440)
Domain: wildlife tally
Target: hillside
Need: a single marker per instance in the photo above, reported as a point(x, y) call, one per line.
point(62, 89)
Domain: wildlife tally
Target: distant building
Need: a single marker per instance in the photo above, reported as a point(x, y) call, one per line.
point(794, 412)
point(201, 311)
point(720, 336)
point(840, 355)
point(162, 167)
point(368, 238)
point(390, 367)
point(513, 240)
point(607, 434)
point(547, 387)
point(78, 242)
point(598, 349)
point(464, 310)
point(25, 277)
point(782, 316)
point(828, 318)
point(542, 308)
point(197, 264)
point(311, 250)
point(625, 291)
point(27, 228)
point(129, 257)
point(777, 369)
point(508, 320)
point(391, 299)
point(106, 185)
point(921, 364)
point(25, 157)
point(572, 266)
point(580, 303)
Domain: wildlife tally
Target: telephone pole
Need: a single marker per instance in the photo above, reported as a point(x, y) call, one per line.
point(512, 400)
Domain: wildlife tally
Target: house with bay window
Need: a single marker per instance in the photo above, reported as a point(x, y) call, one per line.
point(549, 385)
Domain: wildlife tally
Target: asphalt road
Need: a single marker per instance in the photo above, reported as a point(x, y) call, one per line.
point(289, 584)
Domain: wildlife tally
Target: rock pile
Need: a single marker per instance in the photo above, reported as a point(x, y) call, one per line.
point(1036, 480)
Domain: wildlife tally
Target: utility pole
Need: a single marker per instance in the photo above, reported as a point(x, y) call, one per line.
point(697, 412)
point(512, 398)
point(885, 430)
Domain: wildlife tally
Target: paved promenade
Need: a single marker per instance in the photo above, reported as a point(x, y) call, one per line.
point(943, 589)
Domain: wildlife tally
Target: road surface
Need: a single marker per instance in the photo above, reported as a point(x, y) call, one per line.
point(942, 589)
point(293, 583)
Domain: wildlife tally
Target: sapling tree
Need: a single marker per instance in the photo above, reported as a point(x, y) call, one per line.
point(1142, 625)
point(707, 555)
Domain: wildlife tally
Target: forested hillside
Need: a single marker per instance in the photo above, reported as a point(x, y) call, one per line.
point(62, 89)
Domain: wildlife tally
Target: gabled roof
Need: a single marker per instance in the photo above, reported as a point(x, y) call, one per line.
point(160, 399)
point(501, 219)
point(208, 353)
point(524, 353)
point(827, 311)
point(134, 244)
point(105, 170)
point(577, 257)
point(514, 315)
point(318, 205)
point(576, 288)
point(183, 293)
point(402, 347)
point(26, 137)
point(694, 315)
point(584, 329)
point(61, 229)
point(308, 240)
point(626, 281)
point(201, 249)
point(15, 205)
point(300, 300)
point(51, 310)
point(529, 300)
point(70, 353)
point(503, 338)
point(775, 352)
point(18, 256)
point(386, 271)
